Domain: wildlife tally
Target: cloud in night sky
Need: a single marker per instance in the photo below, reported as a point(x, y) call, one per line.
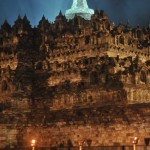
point(136, 11)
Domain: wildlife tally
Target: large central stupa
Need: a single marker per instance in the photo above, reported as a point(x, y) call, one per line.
point(79, 8)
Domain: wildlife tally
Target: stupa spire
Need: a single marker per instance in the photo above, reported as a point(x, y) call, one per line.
point(79, 8)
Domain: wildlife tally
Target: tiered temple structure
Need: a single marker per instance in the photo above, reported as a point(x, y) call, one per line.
point(74, 80)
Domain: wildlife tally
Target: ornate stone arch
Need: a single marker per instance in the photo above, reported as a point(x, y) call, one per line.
point(94, 79)
point(139, 34)
point(121, 39)
point(77, 21)
point(94, 24)
point(87, 39)
point(143, 76)
point(4, 86)
point(39, 65)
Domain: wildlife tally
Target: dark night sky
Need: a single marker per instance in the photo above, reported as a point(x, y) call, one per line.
point(136, 11)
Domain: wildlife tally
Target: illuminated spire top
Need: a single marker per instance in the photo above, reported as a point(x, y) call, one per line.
point(79, 8)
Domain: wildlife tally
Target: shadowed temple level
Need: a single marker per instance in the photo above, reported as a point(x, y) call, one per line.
point(74, 80)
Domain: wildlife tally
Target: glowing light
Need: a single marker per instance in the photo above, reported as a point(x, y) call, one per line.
point(135, 140)
point(33, 142)
point(79, 8)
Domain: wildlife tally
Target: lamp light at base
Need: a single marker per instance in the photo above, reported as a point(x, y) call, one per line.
point(33, 143)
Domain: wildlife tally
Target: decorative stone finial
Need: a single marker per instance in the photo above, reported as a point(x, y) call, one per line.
point(79, 8)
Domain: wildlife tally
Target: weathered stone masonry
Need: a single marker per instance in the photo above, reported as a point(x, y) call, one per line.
point(74, 80)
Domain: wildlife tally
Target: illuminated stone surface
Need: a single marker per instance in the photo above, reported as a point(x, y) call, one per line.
point(79, 8)
point(74, 80)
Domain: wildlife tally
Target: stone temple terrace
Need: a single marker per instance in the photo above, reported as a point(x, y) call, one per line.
point(78, 82)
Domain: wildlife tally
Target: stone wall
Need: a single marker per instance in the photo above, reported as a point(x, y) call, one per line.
point(117, 134)
point(8, 134)
point(104, 126)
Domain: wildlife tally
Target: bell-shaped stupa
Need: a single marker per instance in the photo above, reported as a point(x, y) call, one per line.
point(79, 8)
